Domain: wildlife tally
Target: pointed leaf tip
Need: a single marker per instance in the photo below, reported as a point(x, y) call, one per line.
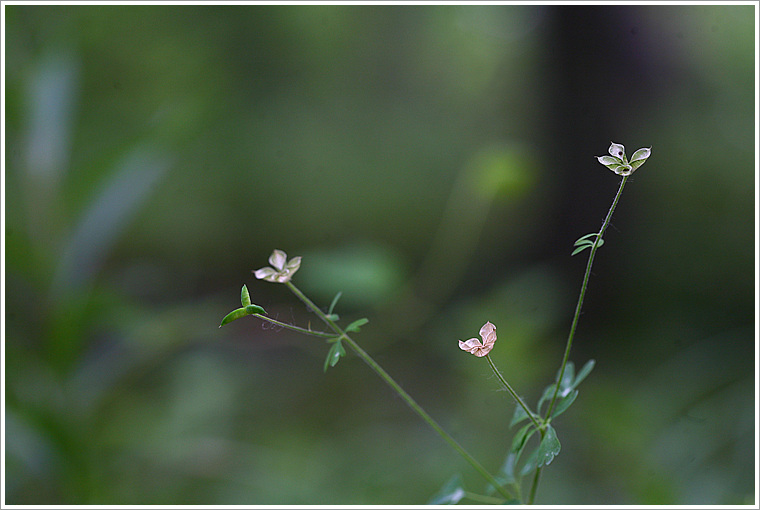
point(357, 324)
point(245, 297)
point(252, 309)
point(233, 315)
point(334, 354)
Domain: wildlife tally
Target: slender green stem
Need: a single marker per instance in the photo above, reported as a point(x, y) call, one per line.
point(308, 302)
point(583, 293)
point(534, 486)
point(513, 392)
point(305, 331)
point(574, 324)
point(398, 389)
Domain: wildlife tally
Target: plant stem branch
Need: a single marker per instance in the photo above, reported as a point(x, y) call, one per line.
point(574, 324)
point(534, 486)
point(398, 389)
point(583, 293)
point(305, 331)
point(513, 392)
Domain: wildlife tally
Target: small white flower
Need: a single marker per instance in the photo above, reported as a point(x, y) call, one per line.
point(283, 269)
point(473, 345)
point(618, 163)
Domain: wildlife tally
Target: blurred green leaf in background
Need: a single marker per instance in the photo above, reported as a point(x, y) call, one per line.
point(432, 162)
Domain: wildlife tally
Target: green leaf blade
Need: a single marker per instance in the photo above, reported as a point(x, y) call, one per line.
point(252, 309)
point(580, 249)
point(583, 373)
point(334, 354)
point(356, 325)
point(233, 315)
point(334, 302)
point(563, 403)
point(518, 416)
point(451, 493)
point(585, 238)
point(521, 439)
point(245, 296)
point(549, 447)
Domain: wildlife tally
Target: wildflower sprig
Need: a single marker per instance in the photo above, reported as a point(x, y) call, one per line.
point(555, 399)
point(563, 392)
point(283, 270)
point(278, 274)
point(618, 163)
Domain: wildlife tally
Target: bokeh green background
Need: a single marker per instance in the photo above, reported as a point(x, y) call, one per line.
point(433, 163)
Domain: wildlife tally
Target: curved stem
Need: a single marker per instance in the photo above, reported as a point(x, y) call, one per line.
point(513, 392)
point(534, 486)
point(398, 389)
point(305, 331)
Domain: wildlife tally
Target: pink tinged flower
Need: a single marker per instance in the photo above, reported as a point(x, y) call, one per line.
point(283, 269)
point(473, 345)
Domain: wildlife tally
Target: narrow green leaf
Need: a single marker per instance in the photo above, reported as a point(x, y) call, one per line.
point(354, 326)
point(521, 438)
point(235, 314)
point(519, 416)
point(585, 238)
point(549, 447)
point(334, 355)
point(531, 463)
point(563, 403)
point(548, 394)
point(567, 377)
point(580, 249)
point(334, 302)
point(245, 297)
point(251, 309)
point(451, 493)
point(584, 372)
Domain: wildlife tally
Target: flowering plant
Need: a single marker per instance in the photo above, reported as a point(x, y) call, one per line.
point(618, 163)
point(555, 399)
point(283, 271)
point(473, 345)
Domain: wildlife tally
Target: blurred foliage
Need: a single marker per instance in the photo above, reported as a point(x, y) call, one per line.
point(434, 163)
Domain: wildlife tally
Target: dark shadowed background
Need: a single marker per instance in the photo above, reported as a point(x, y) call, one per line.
point(433, 163)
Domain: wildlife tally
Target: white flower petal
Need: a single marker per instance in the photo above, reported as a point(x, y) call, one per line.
point(278, 259)
point(609, 160)
point(265, 273)
point(293, 264)
point(640, 157)
point(488, 333)
point(617, 150)
point(471, 345)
